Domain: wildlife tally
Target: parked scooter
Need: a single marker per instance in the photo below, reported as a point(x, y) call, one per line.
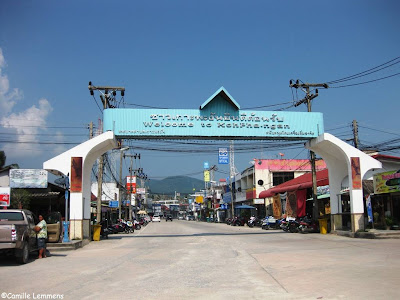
point(254, 221)
point(308, 225)
point(294, 225)
point(104, 230)
point(238, 221)
point(136, 224)
point(269, 223)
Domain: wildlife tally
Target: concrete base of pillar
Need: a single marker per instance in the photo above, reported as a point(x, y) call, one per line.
point(357, 222)
point(336, 222)
point(79, 229)
point(86, 229)
point(75, 229)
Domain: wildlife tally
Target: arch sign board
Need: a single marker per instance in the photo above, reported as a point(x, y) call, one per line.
point(219, 117)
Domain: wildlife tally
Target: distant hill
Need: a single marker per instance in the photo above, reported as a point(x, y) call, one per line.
point(179, 184)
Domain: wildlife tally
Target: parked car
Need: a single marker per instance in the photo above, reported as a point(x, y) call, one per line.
point(190, 218)
point(17, 233)
point(180, 217)
point(156, 218)
point(54, 227)
point(168, 218)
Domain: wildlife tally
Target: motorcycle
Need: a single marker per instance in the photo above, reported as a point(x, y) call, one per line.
point(269, 223)
point(254, 222)
point(136, 224)
point(238, 221)
point(143, 222)
point(290, 224)
point(104, 230)
point(308, 225)
point(294, 225)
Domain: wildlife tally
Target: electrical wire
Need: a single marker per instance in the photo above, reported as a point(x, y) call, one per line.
point(378, 130)
point(366, 72)
point(365, 82)
point(97, 104)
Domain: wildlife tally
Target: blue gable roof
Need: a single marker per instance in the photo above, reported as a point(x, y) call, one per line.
point(221, 94)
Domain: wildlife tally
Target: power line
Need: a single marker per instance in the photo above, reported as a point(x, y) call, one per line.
point(378, 130)
point(366, 72)
point(365, 82)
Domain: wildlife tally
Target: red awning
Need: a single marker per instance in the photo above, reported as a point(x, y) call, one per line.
point(299, 183)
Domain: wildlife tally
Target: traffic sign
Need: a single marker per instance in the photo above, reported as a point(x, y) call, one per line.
point(223, 156)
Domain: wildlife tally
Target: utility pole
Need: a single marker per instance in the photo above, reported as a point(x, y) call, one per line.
point(355, 134)
point(232, 174)
point(106, 99)
point(120, 182)
point(135, 156)
point(307, 100)
point(91, 130)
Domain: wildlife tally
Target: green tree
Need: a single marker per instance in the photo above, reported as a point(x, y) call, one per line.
point(2, 159)
point(20, 198)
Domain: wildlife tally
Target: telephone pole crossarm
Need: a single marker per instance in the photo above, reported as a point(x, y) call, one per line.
point(307, 100)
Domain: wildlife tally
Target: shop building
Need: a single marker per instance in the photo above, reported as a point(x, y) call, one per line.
point(265, 174)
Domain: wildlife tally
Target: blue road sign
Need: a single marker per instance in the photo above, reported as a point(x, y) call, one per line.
point(223, 156)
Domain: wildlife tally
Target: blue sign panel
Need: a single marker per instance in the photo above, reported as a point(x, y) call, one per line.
point(206, 165)
point(223, 156)
point(369, 210)
point(219, 117)
point(113, 204)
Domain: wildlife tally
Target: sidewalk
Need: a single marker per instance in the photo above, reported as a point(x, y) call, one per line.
point(371, 234)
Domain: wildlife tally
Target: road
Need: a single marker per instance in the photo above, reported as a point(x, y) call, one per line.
point(197, 260)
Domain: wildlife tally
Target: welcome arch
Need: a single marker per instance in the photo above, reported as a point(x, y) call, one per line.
point(218, 118)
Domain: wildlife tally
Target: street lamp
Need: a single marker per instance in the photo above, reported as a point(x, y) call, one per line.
point(120, 181)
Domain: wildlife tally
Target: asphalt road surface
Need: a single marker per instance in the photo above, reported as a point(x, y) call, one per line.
point(197, 260)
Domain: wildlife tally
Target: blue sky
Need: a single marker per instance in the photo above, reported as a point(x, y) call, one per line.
point(176, 54)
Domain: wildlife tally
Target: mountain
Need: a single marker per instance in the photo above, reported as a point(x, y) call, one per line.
point(179, 184)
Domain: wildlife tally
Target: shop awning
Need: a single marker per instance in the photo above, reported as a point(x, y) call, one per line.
point(299, 183)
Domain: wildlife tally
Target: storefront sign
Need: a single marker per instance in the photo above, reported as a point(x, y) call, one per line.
point(387, 182)
point(258, 201)
point(113, 204)
point(5, 196)
point(207, 176)
point(131, 184)
point(199, 199)
point(28, 178)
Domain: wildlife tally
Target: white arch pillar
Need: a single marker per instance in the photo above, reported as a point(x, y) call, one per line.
point(337, 155)
point(90, 150)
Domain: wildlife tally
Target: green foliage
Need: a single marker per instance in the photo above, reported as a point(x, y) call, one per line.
point(20, 198)
point(389, 221)
point(2, 159)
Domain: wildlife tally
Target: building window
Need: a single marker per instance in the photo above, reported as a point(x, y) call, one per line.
point(281, 177)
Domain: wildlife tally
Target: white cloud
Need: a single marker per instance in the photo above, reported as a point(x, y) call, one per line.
point(26, 124)
point(7, 98)
point(60, 138)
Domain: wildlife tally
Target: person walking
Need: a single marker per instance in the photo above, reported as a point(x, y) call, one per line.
point(41, 229)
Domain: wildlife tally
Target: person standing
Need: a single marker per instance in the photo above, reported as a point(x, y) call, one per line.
point(41, 229)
